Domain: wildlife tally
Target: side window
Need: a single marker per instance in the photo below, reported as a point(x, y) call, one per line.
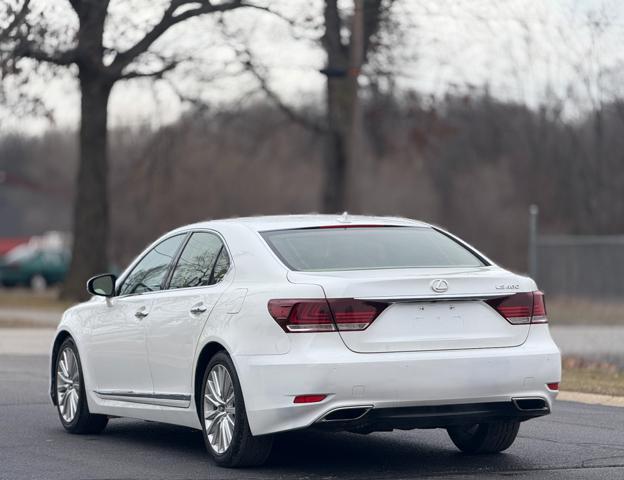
point(201, 257)
point(221, 266)
point(149, 273)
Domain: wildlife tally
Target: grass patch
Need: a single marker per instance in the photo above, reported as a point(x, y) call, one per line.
point(579, 311)
point(592, 377)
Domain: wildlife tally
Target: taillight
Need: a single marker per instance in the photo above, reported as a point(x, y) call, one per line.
point(350, 314)
point(539, 308)
point(302, 315)
point(321, 315)
point(521, 308)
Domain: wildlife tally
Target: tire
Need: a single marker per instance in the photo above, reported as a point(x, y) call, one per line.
point(243, 449)
point(484, 437)
point(74, 415)
point(38, 283)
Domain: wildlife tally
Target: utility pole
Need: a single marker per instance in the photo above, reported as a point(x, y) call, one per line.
point(355, 168)
point(533, 233)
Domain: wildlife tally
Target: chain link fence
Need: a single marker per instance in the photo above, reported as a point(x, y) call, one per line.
point(581, 266)
point(582, 275)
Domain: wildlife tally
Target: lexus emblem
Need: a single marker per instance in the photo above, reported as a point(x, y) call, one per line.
point(439, 285)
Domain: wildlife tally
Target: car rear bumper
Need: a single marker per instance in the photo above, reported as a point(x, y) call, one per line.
point(398, 390)
point(366, 420)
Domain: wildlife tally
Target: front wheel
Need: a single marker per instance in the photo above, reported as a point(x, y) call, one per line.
point(224, 419)
point(71, 400)
point(484, 437)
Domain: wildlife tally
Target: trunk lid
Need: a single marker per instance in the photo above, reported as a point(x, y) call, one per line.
point(429, 308)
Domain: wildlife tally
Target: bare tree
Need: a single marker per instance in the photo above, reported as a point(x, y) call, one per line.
point(345, 58)
point(347, 38)
point(99, 67)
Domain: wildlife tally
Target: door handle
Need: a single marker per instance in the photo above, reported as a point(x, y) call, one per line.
point(197, 309)
point(140, 314)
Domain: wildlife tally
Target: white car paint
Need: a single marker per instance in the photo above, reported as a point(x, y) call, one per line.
point(472, 356)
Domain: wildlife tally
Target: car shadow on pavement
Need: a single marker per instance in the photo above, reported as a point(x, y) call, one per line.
point(381, 455)
point(317, 453)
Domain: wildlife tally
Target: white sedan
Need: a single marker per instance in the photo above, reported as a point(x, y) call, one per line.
point(247, 327)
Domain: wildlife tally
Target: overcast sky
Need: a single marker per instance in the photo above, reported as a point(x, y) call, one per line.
point(524, 50)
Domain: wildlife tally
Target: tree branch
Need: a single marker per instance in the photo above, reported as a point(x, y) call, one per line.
point(332, 41)
point(245, 57)
point(372, 20)
point(19, 18)
point(168, 20)
point(76, 5)
point(153, 74)
point(29, 50)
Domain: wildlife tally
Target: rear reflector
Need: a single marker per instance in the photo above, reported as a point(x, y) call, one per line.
point(553, 386)
point(321, 315)
point(309, 398)
point(521, 308)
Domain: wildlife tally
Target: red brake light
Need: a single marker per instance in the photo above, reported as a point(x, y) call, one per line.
point(553, 386)
point(353, 226)
point(521, 308)
point(320, 315)
point(311, 315)
point(351, 314)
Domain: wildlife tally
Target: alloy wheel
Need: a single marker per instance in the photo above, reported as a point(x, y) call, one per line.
point(68, 385)
point(219, 408)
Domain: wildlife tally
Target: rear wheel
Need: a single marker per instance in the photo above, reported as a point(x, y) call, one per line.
point(38, 283)
point(224, 420)
point(484, 437)
point(71, 401)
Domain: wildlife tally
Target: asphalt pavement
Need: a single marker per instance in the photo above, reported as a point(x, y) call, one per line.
point(576, 442)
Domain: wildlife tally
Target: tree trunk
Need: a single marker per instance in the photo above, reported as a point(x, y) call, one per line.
point(342, 164)
point(336, 154)
point(338, 111)
point(91, 216)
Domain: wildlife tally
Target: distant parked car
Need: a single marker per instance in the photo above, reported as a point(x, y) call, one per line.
point(33, 266)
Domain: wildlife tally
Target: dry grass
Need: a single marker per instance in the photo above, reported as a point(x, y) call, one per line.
point(592, 377)
point(22, 298)
point(578, 311)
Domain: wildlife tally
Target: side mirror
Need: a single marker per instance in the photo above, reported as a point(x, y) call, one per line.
point(102, 285)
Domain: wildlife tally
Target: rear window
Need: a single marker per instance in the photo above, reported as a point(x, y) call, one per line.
point(323, 249)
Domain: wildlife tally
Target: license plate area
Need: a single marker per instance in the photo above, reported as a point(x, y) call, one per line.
point(444, 325)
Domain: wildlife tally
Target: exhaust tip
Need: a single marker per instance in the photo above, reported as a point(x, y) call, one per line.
point(530, 404)
point(345, 414)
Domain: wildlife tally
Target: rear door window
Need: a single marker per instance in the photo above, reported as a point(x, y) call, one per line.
point(204, 261)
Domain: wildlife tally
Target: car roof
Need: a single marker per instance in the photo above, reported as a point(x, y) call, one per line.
point(284, 222)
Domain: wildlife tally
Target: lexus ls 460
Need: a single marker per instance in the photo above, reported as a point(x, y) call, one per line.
point(248, 327)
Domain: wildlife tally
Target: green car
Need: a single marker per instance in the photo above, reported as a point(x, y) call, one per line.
point(33, 267)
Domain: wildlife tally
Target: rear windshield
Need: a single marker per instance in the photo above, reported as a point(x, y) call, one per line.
point(322, 249)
